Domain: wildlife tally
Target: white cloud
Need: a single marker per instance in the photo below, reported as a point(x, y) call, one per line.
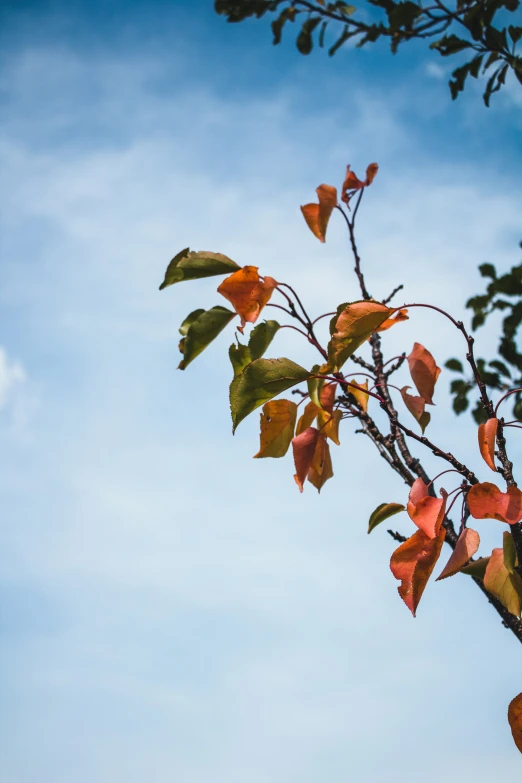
point(210, 621)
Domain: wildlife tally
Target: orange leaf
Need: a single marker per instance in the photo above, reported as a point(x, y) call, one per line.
point(357, 390)
point(304, 449)
point(247, 293)
point(321, 468)
point(277, 428)
point(515, 720)
point(467, 545)
point(416, 406)
point(352, 183)
point(327, 397)
point(352, 327)
point(413, 563)
point(329, 424)
point(400, 315)
point(307, 418)
point(424, 510)
point(486, 501)
point(504, 584)
point(371, 172)
point(487, 434)
point(423, 371)
point(318, 215)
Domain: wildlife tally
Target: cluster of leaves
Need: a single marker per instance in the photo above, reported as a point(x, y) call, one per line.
point(492, 49)
point(332, 395)
point(505, 373)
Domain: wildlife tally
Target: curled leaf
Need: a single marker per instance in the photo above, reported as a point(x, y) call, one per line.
point(424, 371)
point(191, 265)
point(515, 720)
point(318, 215)
point(247, 293)
point(413, 563)
point(352, 325)
point(424, 510)
point(416, 406)
point(467, 545)
point(321, 468)
point(303, 446)
point(486, 501)
point(382, 512)
point(400, 315)
point(352, 183)
point(487, 434)
point(277, 428)
point(260, 381)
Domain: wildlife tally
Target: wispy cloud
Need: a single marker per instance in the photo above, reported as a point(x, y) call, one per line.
point(194, 613)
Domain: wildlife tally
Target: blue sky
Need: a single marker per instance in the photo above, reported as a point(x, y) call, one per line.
point(172, 610)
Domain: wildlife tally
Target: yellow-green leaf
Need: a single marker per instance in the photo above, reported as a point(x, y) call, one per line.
point(260, 381)
point(200, 331)
point(261, 337)
point(191, 265)
point(382, 512)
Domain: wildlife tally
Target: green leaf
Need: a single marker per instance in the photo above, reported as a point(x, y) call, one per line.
point(450, 44)
point(510, 553)
point(315, 385)
point(501, 367)
point(191, 265)
point(304, 39)
point(201, 331)
point(382, 512)
point(488, 270)
point(183, 329)
point(455, 365)
point(261, 337)
point(260, 381)
point(239, 356)
point(477, 568)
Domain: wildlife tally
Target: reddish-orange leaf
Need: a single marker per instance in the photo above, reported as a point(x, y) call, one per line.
point(318, 215)
point(277, 428)
point(413, 563)
point(400, 315)
point(371, 172)
point(359, 392)
point(486, 501)
point(515, 720)
point(352, 183)
point(487, 434)
point(321, 468)
point(467, 545)
point(424, 510)
point(327, 397)
point(307, 418)
point(504, 584)
point(329, 424)
point(423, 371)
point(247, 293)
point(416, 406)
point(304, 450)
